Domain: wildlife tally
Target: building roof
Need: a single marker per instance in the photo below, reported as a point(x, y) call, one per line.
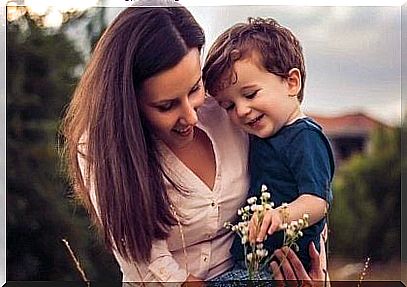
point(355, 124)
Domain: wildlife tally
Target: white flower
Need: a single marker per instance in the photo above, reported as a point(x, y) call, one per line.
point(300, 233)
point(305, 216)
point(240, 224)
point(249, 256)
point(239, 211)
point(253, 207)
point(259, 208)
point(244, 239)
point(261, 253)
point(234, 228)
point(289, 232)
point(294, 224)
point(268, 206)
point(301, 222)
point(252, 200)
point(246, 208)
point(259, 246)
point(244, 230)
point(263, 188)
point(265, 195)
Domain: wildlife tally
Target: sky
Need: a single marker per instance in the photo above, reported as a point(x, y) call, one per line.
point(352, 54)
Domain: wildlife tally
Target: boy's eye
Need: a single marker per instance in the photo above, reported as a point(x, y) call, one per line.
point(227, 105)
point(196, 88)
point(251, 95)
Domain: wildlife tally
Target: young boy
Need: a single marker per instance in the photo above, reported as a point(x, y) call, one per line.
point(256, 73)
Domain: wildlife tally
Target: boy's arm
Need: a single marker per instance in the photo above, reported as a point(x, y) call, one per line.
point(309, 157)
point(312, 205)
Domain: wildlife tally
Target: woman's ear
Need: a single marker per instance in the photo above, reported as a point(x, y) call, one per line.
point(294, 82)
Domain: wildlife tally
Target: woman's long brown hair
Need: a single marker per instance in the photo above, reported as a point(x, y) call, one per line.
point(103, 124)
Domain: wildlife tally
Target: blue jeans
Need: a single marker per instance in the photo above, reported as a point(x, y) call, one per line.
point(238, 276)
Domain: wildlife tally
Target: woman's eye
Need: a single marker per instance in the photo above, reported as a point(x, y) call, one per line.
point(251, 95)
point(165, 107)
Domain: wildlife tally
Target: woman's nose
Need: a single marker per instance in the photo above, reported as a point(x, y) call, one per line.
point(189, 116)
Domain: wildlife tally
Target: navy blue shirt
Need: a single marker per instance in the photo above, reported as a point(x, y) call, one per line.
point(296, 160)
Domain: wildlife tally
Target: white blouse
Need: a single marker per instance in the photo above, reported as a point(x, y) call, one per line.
point(202, 211)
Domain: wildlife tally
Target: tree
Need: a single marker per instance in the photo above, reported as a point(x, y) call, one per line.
point(365, 219)
point(41, 67)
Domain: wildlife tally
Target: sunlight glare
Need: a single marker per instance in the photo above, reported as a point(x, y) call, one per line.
point(13, 13)
point(52, 10)
point(39, 7)
point(53, 19)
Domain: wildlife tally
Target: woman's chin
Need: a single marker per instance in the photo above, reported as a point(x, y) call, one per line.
point(180, 140)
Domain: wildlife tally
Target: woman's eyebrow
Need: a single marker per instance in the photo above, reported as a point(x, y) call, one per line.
point(163, 101)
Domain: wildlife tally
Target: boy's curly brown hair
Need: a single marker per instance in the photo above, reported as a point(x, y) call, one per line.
point(279, 50)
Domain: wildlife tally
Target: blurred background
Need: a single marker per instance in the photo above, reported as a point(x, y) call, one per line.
point(353, 60)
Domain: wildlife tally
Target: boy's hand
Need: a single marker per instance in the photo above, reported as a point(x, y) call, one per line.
point(271, 223)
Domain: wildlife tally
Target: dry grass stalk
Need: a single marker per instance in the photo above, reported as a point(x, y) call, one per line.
point(364, 271)
point(76, 261)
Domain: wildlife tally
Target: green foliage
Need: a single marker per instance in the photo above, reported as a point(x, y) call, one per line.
point(41, 66)
point(365, 218)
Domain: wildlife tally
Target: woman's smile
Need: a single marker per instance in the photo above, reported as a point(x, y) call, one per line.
point(184, 131)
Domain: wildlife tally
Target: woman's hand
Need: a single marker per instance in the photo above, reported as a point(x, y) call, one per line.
point(292, 272)
point(193, 281)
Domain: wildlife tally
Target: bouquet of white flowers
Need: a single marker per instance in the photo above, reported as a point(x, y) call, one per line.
point(256, 255)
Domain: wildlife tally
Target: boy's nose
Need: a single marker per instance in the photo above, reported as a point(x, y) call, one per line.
point(242, 110)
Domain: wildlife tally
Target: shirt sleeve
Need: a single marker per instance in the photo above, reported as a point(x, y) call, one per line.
point(162, 267)
point(310, 159)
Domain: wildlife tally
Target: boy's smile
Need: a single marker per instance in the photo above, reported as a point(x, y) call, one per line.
point(260, 102)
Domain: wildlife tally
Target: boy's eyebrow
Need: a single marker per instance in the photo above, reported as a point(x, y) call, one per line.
point(249, 86)
point(196, 83)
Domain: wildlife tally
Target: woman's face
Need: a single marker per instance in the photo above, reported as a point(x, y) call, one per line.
point(169, 101)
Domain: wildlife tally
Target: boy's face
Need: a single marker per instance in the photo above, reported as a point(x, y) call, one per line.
point(261, 102)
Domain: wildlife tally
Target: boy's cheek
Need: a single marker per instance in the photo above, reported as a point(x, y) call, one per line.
point(235, 120)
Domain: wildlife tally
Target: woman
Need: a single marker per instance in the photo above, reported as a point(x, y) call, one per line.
point(158, 176)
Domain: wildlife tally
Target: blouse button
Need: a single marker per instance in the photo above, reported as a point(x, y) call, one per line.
point(163, 271)
point(213, 204)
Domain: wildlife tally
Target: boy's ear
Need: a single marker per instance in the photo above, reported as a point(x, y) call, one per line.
point(294, 82)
